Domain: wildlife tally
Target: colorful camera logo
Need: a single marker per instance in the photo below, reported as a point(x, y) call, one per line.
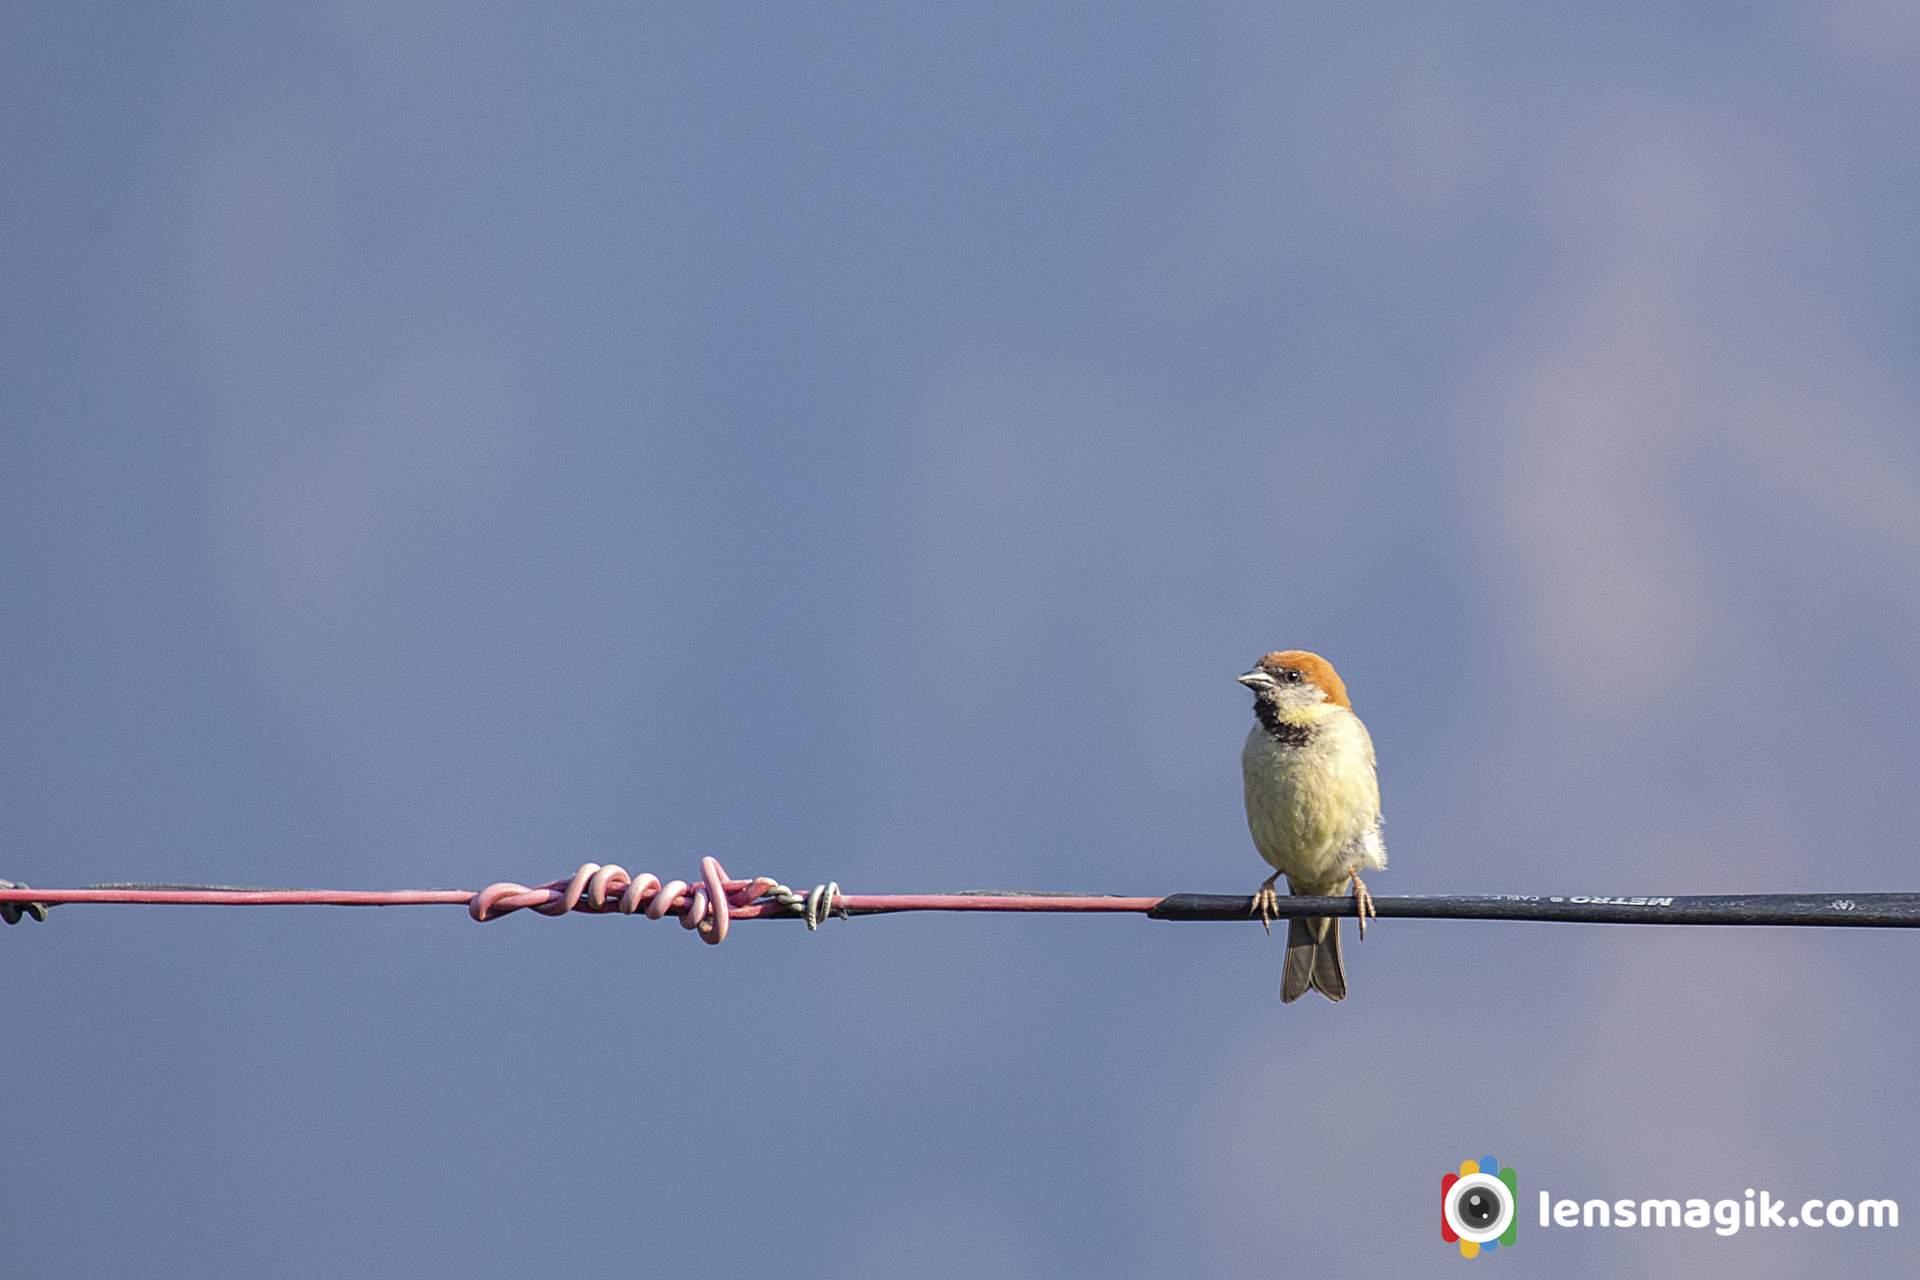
point(1479, 1206)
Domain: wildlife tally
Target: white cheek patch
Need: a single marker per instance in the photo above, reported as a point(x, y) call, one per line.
point(1304, 694)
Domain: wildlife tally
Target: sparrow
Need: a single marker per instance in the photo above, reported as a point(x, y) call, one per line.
point(1313, 806)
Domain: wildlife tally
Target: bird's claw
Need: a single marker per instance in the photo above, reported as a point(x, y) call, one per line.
point(1266, 905)
point(1362, 901)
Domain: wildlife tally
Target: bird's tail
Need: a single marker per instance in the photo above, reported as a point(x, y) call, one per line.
point(1313, 960)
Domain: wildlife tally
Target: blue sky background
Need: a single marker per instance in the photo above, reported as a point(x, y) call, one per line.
point(440, 445)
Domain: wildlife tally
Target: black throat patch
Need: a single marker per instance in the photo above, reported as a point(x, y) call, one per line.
point(1284, 732)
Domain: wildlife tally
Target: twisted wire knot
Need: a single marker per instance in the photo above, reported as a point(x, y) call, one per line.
point(813, 906)
point(11, 912)
point(706, 906)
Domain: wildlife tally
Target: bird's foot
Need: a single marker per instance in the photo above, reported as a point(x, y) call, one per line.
point(1362, 900)
point(1266, 904)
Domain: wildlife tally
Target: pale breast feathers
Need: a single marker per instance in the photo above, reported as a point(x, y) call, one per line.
point(1314, 810)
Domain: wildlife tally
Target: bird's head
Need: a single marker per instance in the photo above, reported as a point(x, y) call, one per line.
point(1295, 679)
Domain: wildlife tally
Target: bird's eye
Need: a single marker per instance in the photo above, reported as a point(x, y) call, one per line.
point(1290, 676)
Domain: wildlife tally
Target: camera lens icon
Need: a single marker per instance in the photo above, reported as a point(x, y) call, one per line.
point(1479, 1206)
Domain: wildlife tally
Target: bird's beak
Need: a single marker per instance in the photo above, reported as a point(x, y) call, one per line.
point(1256, 679)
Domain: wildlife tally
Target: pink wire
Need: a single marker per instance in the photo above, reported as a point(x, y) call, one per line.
point(707, 906)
